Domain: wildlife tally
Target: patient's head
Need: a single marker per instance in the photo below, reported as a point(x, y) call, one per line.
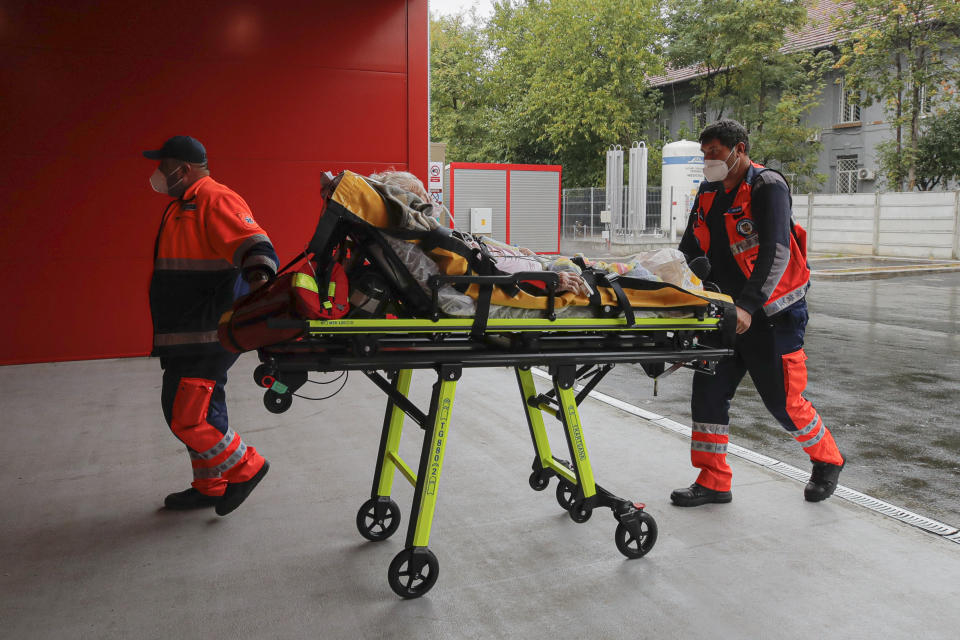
point(403, 180)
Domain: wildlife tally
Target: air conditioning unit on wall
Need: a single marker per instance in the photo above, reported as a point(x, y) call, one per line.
point(866, 174)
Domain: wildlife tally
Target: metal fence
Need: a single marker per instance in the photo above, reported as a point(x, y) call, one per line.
point(581, 216)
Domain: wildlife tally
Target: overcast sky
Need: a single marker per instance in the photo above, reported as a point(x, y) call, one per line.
point(448, 7)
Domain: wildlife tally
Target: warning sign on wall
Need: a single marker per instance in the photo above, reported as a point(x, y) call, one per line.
point(436, 177)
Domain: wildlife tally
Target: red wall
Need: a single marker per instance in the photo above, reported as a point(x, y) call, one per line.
point(278, 92)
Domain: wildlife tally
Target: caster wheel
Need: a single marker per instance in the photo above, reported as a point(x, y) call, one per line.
point(538, 481)
point(277, 402)
point(263, 376)
point(378, 519)
point(565, 494)
point(413, 572)
point(579, 512)
point(637, 546)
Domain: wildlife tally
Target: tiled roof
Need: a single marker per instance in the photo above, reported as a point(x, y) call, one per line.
point(819, 32)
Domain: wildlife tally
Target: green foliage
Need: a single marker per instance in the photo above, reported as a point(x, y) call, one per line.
point(582, 68)
point(902, 54)
point(459, 105)
point(938, 155)
point(555, 82)
point(737, 43)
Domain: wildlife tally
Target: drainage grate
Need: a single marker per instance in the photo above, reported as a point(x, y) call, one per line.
point(790, 471)
point(752, 456)
point(892, 511)
point(922, 522)
point(674, 426)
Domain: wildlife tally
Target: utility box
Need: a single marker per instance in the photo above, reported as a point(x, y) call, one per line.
point(521, 202)
point(481, 220)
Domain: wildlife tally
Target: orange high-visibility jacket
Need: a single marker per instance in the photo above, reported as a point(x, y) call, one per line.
point(789, 275)
point(207, 239)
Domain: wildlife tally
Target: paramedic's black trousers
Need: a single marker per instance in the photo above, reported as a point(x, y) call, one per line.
point(772, 352)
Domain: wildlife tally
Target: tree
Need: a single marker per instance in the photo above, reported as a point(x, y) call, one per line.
point(748, 76)
point(459, 98)
point(938, 153)
point(903, 54)
point(557, 82)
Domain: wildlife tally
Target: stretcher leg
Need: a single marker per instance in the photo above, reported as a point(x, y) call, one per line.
point(577, 492)
point(544, 464)
point(379, 517)
point(414, 570)
point(583, 496)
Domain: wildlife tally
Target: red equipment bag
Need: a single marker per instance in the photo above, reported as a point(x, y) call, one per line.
point(244, 327)
point(291, 296)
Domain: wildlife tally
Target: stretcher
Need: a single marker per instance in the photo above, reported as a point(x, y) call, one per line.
point(577, 353)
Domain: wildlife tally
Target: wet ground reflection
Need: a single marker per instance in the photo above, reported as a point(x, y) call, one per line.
point(884, 371)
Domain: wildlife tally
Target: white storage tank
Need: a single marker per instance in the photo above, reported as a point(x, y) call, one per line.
point(682, 175)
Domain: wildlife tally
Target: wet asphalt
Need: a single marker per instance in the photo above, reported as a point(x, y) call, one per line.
point(884, 373)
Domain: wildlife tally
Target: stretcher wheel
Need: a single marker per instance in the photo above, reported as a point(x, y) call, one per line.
point(378, 518)
point(566, 492)
point(538, 481)
point(579, 512)
point(277, 402)
point(633, 545)
point(413, 572)
point(263, 376)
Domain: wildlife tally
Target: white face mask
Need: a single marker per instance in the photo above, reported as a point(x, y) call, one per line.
point(717, 170)
point(159, 182)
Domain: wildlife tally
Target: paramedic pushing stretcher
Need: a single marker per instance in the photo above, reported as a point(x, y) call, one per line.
point(741, 223)
point(209, 251)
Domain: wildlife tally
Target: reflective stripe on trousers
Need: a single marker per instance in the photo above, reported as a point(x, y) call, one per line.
point(772, 352)
point(196, 411)
point(708, 452)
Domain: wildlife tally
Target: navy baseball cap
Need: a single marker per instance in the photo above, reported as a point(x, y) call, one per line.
point(180, 148)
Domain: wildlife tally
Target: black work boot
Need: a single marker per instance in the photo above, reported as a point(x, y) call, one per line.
point(823, 481)
point(189, 499)
point(237, 492)
point(697, 494)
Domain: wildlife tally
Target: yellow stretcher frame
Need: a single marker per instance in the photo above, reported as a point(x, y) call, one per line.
point(414, 570)
point(388, 350)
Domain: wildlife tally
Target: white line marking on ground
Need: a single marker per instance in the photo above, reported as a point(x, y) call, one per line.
point(930, 525)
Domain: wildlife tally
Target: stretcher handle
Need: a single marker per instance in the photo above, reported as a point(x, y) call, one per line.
point(550, 279)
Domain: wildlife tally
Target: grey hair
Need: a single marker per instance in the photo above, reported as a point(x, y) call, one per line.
point(403, 180)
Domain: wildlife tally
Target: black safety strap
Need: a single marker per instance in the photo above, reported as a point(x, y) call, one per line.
point(484, 295)
point(756, 179)
point(300, 256)
point(611, 281)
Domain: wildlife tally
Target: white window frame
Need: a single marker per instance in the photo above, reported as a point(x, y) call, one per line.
point(849, 111)
point(700, 118)
point(847, 169)
point(792, 181)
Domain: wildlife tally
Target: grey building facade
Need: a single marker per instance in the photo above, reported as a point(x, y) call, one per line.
point(849, 133)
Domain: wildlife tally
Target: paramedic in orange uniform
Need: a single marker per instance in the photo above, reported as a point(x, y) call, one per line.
point(741, 222)
point(209, 251)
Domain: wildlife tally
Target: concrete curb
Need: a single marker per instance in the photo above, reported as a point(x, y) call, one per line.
point(879, 273)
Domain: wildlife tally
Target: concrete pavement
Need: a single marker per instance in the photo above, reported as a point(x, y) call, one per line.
point(87, 553)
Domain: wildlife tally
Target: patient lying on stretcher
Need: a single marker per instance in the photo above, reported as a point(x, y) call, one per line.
point(666, 265)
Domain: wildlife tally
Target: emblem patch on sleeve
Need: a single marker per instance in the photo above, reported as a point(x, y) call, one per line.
point(246, 218)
